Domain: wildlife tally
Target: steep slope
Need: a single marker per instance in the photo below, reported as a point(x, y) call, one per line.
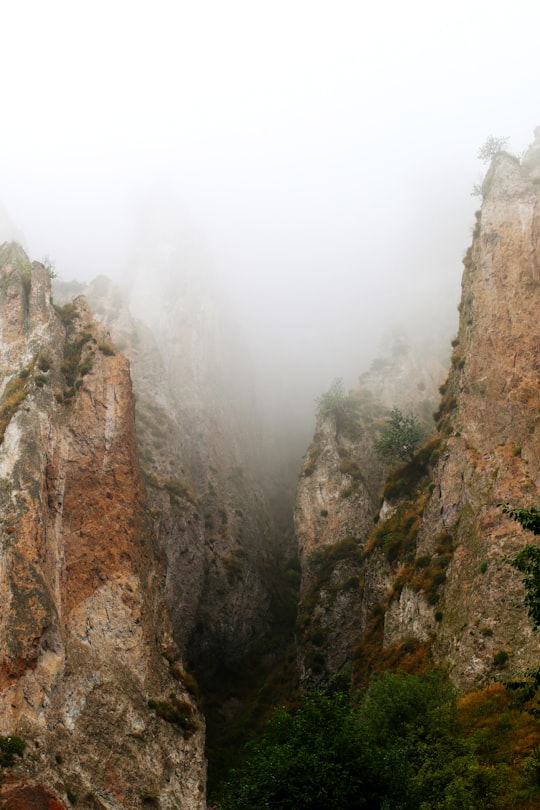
point(230, 570)
point(83, 633)
point(198, 449)
point(492, 451)
point(338, 498)
point(434, 577)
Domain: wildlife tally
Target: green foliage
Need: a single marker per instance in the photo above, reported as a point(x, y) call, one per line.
point(10, 747)
point(529, 518)
point(336, 403)
point(106, 349)
point(310, 759)
point(408, 479)
point(400, 438)
point(491, 147)
point(49, 267)
point(174, 710)
point(67, 313)
point(72, 795)
point(500, 658)
point(397, 535)
point(398, 747)
point(527, 561)
point(15, 393)
point(187, 679)
point(180, 489)
point(73, 367)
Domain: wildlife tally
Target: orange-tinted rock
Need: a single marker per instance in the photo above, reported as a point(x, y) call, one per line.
point(83, 626)
point(28, 797)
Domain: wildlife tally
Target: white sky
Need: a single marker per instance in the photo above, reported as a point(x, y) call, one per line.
point(326, 149)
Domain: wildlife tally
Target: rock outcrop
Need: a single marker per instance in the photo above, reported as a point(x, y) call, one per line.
point(433, 578)
point(90, 677)
point(338, 499)
point(492, 442)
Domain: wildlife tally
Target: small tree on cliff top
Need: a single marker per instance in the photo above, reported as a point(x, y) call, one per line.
point(400, 438)
point(335, 402)
point(491, 147)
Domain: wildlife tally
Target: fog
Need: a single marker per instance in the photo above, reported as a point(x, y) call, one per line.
point(325, 153)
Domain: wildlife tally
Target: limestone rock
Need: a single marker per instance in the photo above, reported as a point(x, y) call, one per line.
point(80, 627)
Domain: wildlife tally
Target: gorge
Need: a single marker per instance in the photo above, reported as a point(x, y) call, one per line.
point(151, 573)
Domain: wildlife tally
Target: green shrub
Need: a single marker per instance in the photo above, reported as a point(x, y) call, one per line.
point(339, 405)
point(106, 349)
point(150, 797)
point(44, 363)
point(15, 392)
point(500, 658)
point(400, 438)
point(10, 747)
point(67, 313)
point(174, 710)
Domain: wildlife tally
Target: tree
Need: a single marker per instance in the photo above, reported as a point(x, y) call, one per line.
point(49, 267)
point(400, 438)
point(312, 759)
point(491, 147)
point(527, 561)
point(396, 746)
point(335, 402)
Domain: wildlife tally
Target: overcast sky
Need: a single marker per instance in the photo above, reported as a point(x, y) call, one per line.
point(325, 150)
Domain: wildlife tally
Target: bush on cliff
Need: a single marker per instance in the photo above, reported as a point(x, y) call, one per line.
point(10, 747)
point(400, 438)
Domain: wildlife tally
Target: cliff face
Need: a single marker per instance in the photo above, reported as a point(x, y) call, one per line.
point(432, 572)
point(489, 450)
point(83, 632)
point(338, 498)
point(199, 453)
point(336, 501)
point(490, 412)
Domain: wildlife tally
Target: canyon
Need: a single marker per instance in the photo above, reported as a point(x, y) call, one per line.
point(146, 538)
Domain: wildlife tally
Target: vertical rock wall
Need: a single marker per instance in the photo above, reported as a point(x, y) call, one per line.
point(82, 630)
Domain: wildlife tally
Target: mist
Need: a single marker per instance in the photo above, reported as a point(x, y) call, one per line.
point(323, 154)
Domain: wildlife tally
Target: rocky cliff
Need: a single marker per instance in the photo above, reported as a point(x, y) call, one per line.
point(90, 677)
point(489, 419)
point(428, 572)
point(338, 499)
point(199, 450)
point(227, 574)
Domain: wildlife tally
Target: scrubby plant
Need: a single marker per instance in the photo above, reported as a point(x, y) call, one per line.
point(176, 711)
point(15, 392)
point(500, 658)
point(400, 438)
point(338, 404)
point(10, 747)
point(180, 489)
point(48, 264)
point(107, 349)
